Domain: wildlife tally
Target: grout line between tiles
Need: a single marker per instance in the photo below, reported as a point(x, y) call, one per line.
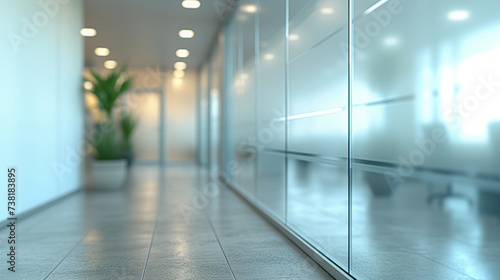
point(220, 244)
point(153, 230)
point(78, 243)
point(449, 267)
point(155, 223)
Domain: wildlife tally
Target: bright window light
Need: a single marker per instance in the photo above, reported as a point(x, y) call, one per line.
point(327, 11)
point(314, 114)
point(179, 65)
point(249, 9)
point(269, 56)
point(458, 15)
point(88, 32)
point(110, 64)
point(182, 53)
point(374, 7)
point(191, 4)
point(102, 51)
point(186, 33)
point(179, 73)
point(177, 81)
point(293, 37)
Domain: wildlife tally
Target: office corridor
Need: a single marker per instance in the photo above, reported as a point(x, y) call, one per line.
point(171, 223)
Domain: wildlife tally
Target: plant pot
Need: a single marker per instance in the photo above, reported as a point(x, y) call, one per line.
point(108, 174)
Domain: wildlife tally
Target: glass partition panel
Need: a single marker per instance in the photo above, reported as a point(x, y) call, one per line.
point(271, 100)
point(424, 120)
point(244, 98)
point(317, 202)
point(215, 65)
point(425, 140)
point(203, 116)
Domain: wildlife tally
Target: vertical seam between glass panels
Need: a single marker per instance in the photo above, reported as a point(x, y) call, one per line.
point(349, 129)
point(209, 113)
point(162, 122)
point(256, 93)
point(287, 90)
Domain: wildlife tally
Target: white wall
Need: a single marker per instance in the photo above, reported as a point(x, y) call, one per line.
point(41, 104)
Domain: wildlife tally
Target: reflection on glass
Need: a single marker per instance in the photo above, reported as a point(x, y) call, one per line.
point(317, 127)
point(214, 87)
point(270, 101)
point(425, 130)
point(425, 124)
point(244, 98)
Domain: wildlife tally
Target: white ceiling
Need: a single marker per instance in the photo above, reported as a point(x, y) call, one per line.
point(144, 33)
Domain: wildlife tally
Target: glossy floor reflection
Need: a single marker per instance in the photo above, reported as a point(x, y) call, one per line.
point(170, 223)
point(404, 234)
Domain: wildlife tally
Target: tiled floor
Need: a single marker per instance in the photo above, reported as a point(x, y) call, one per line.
point(171, 223)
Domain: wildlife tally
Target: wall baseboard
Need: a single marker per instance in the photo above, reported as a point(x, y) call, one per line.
point(41, 207)
point(330, 267)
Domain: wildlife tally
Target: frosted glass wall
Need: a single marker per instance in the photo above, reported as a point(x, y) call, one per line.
point(376, 139)
point(425, 140)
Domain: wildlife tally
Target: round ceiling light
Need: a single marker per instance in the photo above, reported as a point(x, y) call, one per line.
point(180, 65)
point(191, 4)
point(110, 64)
point(101, 51)
point(182, 53)
point(88, 32)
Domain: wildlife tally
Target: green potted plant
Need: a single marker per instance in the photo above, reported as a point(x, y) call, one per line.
point(109, 167)
point(127, 125)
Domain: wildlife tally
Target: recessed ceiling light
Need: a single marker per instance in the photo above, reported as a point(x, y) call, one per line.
point(180, 65)
point(191, 4)
point(293, 37)
point(101, 51)
point(88, 32)
point(269, 56)
point(186, 33)
point(458, 15)
point(110, 64)
point(327, 11)
point(179, 73)
point(182, 53)
point(88, 85)
point(249, 9)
